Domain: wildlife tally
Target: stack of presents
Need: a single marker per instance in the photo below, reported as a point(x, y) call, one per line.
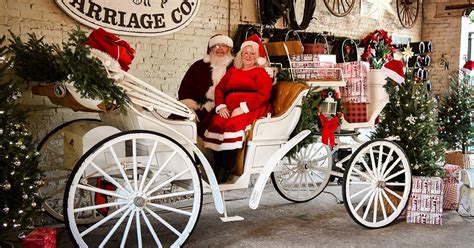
point(323, 67)
point(431, 195)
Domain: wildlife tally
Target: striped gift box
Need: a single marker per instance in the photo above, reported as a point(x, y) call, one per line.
point(451, 186)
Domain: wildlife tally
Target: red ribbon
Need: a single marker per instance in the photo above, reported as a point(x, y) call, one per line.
point(329, 127)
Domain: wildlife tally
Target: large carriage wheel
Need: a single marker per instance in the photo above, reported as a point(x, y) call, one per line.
point(339, 8)
point(56, 170)
point(408, 11)
point(377, 184)
point(154, 194)
point(304, 176)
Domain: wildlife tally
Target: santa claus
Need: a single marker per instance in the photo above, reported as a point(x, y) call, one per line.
point(197, 87)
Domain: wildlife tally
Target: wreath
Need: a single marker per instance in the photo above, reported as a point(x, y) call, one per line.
point(310, 118)
point(378, 49)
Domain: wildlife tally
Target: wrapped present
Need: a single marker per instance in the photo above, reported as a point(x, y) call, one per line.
point(457, 158)
point(425, 205)
point(315, 67)
point(451, 186)
point(355, 112)
point(355, 75)
point(40, 238)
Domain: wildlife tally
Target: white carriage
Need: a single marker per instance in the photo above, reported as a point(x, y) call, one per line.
point(153, 176)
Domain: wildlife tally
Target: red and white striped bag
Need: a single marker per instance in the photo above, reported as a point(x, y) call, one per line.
point(451, 186)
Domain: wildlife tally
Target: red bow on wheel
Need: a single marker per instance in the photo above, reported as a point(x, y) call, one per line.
point(329, 127)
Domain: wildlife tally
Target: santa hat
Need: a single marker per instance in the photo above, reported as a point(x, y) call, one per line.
point(394, 70)
point(256, 42)
point(217, 39)
point(468, 68)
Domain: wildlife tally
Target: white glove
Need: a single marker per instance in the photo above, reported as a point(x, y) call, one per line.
point(190, 103)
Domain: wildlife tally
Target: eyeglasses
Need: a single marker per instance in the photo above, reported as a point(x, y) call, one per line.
point(220, 45)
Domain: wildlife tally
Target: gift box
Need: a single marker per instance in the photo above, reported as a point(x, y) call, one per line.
point(355, 112)
point(355, 75)
point(315, 67)
point(425, 205)
point(451, 186)
point(40, 238)
point(457, 158)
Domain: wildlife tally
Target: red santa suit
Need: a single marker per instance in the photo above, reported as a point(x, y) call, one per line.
point(198, 85)
point(249, 90)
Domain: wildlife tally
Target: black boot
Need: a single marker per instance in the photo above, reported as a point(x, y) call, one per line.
point(228, 162)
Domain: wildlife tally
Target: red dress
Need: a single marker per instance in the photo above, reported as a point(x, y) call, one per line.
point(249, 90)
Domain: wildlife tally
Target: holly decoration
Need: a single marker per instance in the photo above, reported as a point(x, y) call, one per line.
point(37, 61)
point(378, 49)
point(19, 172)
point(310, 119)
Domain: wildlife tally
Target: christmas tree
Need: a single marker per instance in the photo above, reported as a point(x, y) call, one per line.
point(19, 173)
point(410, 116)
point(455, 113)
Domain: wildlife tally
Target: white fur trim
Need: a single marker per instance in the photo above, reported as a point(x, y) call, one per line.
point(106, 59)
point(261, 61)
point(250, 43)
point(393, 75)
point(223, 146)
point(226, 135)
point(243, 106)
point(221, 39)
point(206, 58)
point(221, 106)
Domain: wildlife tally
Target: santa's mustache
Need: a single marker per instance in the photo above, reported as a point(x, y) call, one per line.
point(225, 60)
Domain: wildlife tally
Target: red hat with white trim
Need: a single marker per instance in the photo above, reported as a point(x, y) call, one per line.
point(394, 70)
point(256, 42)
point(468, 68)
point(215, 40)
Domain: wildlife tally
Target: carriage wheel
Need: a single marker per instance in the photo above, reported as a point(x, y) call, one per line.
point(304, 176)
point(156, 187)
point(56, 170)
point(377, 184)
point(408, 11)
point(339, 8)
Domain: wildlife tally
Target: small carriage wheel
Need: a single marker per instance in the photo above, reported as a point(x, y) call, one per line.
point(339, 8)
point(305, 175)
point(156, 186)
point(408, 11)
point(377, 184)
point(56, 172)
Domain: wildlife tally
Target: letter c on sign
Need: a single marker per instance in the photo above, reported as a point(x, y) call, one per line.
point(184, 9)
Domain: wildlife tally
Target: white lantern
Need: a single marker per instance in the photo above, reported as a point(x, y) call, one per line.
point(329, 107)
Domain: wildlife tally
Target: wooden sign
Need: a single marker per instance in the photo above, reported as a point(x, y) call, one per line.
point(133, 17)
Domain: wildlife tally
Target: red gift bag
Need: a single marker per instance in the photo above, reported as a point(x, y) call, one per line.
point(355, 112)
point(112, 45)
point(40, 238)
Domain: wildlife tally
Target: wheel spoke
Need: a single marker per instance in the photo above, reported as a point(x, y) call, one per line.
point(127, 230)
point(395, 184)
point(159, 171)
point(367, 208)
point(134, 165)
point(387, 160)
point(379, 162)
point(114, 228)
point(366, 167)
point(162, 221)
point(394, 175)
point(376, 201)
point(179, 211)
point(119, 166)
point(391, 167)
point(147, 167)
point(139, 229)
point(110, 216)
point(151, 229)
point(168, 181)
point(102, 191)
point(108, 177)
point(382, 205)
point(361, 191)
point(362, 174)
point(363, 200)
point(190, 192)
point(393, 193)
point(105, 205)
point(372, 162)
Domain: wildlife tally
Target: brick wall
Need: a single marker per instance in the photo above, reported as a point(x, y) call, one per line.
point(443, 28)
point(163, 60)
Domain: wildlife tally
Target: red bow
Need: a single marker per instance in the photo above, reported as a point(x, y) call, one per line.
point(329, 127)
point(112, 45)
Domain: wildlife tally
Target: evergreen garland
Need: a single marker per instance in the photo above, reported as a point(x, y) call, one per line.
point(40, 62)
point(455, 113)
point(19, 172)
point(410, 115)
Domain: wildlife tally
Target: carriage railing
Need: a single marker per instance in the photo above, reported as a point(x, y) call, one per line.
point(146, 95)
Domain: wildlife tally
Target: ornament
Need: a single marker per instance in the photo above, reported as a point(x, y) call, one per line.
point(417, 167)
point(33, 204)
point(2, 112)
point(1, 131)
point(410, 138)
point(411, 119)
point(17, 162)
point(5, 210)
point(6, 185)
point(5, 225)
point(25, 196)
point(407, 52)
point(378, 8)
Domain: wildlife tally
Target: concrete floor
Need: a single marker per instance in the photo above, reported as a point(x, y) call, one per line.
point(319, 223)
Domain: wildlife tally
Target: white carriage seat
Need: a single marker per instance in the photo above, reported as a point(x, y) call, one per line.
point(268, 134)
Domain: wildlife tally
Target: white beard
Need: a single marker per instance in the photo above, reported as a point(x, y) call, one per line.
point(219, 68)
